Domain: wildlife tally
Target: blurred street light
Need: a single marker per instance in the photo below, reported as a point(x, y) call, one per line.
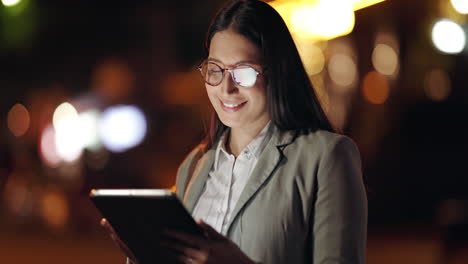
point(122, 127)
point(448, 36)
point(375, 88)
point(461, 6)
point(68, 132)
point(18, 120)
point(385, 59)
point(10, 2)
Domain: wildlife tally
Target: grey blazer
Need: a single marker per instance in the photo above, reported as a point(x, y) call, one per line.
point(305, 201)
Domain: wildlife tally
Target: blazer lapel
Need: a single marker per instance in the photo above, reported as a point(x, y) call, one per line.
point(198, 179)
point(269, 160)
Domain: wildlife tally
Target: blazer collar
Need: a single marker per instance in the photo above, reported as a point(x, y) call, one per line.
point(269, 160)
point(198, 179)
point(267, 163)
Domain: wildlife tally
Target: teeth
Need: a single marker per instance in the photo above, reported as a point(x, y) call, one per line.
point(231, 105)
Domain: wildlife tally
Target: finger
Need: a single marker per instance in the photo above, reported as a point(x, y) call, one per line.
point(185, 250)
point(186, 259)
point(185, 238)
point(210, 231)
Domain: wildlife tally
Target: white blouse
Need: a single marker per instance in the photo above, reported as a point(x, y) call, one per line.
point(227, 179)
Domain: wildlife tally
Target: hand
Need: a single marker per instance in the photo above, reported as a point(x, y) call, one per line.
point(108, 227)
point(215, 249)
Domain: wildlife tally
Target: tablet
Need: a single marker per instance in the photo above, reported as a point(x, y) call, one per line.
point(139, 216)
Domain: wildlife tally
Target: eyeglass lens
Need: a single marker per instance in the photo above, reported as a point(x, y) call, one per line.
point(243, 76)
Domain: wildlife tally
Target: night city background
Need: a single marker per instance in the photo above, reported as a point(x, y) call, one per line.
point(106, 94)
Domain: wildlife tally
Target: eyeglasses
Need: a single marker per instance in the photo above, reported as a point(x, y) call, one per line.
point(243, 76)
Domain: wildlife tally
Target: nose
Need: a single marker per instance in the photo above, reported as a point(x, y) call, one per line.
point(227, 85)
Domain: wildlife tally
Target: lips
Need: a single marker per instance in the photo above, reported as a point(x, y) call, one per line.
point(232, 107)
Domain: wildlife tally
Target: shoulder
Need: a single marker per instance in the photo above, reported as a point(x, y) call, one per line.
point(186, 167)
point(323, 143)
point(192, 156)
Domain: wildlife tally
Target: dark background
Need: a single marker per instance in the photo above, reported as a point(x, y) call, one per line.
point(414, 149)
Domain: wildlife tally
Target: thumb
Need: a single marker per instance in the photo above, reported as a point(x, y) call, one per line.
point(210, 231)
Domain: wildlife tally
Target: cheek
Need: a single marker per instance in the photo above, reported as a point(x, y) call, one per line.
point(210, 91)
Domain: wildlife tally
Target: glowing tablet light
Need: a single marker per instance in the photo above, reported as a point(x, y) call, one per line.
point(448, 36)
point(122, 127)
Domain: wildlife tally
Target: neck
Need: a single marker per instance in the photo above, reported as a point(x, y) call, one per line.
point(239, 138)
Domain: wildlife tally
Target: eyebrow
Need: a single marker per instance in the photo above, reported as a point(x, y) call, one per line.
point(239, 62)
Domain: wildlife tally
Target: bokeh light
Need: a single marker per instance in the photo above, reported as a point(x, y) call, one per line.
point(360, 4)
point(375, 88)
point(63, 113)
point(113, 79)
point(54, 208)
point(89, 129)
point(18, 120)
point(317, 20)
point(448, 36)
point(68, 132)
point(342, 69)
point(18, 196)
point(122, 127)
point(461, 6)
point(10, 2)
point(48, 148)
point(385, 59)
point(312, 56)
point(325, 20)
point(437, 85)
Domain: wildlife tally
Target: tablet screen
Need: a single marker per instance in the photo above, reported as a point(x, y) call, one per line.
point(140, 215)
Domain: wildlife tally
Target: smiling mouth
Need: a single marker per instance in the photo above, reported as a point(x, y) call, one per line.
point(232, 107)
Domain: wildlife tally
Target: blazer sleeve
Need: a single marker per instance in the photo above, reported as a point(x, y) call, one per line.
point(339, 228)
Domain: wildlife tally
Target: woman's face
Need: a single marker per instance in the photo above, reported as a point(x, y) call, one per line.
point(237, 107)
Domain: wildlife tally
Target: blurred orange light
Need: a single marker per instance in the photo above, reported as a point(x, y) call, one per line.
point(113, 79)
point(18, 120)
point(375, 88)
point(54, 208)
point(17, 195)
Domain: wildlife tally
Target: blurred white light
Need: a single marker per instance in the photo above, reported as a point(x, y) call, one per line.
point(342, 70)
point(448, 36)
point(122, 127)
point(68, 132)
point(385, 59)
point(89, 129)
point(64, 112)
point(48, 148)
point(10, 2)
point(460, 5)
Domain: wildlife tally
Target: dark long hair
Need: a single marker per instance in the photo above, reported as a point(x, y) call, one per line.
point(292, 102)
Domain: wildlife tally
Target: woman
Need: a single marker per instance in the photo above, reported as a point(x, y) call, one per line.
point(271, 183)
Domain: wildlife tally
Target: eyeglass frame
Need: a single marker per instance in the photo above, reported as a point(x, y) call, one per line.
point(223, 70)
